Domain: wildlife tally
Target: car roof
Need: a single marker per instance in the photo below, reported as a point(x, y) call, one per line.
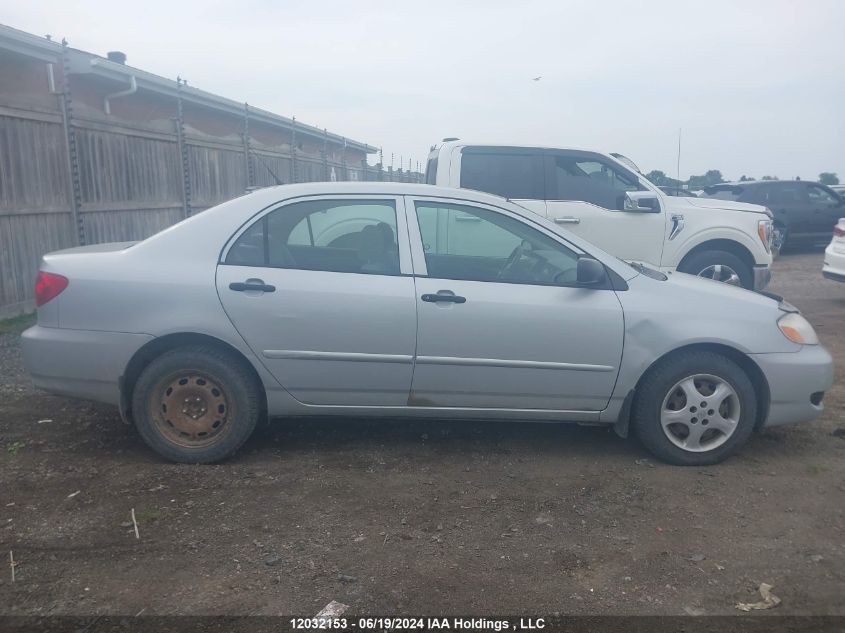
point(285, 192)
point(470, 143)
point(762, 183)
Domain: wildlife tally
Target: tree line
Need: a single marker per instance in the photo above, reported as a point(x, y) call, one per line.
point(714, 177)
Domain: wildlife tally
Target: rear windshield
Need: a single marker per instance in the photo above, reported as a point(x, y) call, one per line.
point(431, 171)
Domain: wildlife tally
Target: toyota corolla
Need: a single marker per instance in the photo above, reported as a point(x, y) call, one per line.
point(400, 300)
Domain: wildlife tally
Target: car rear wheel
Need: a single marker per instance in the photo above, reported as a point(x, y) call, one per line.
point(695, 408)
point(719, 266)
point(196, 405)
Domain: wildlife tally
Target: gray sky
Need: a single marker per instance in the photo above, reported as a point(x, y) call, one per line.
point(758, 87)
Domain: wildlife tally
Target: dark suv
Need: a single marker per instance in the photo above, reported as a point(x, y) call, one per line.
point(805, 212)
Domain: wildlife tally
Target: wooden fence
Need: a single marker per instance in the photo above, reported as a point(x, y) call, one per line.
point(131, 180)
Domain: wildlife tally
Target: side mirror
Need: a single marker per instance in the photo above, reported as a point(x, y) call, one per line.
point(640, 202)
point(590, 272)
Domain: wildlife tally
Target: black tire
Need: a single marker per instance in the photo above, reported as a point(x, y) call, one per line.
point(219, 404)
point(655, 388)
point(698, 262)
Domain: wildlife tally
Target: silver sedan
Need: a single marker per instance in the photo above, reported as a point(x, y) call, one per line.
point(399, 300)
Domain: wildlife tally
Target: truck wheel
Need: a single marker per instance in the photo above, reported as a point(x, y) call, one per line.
point(196, 405)
point(719, 266)
point(694, 409)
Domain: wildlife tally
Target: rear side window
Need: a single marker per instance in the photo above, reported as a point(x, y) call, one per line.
point(348, 236)
point(511, 175)
point(787, 193)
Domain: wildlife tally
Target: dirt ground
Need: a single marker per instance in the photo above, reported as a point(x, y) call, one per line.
point(421, 517)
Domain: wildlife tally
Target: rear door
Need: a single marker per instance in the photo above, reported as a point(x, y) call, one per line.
point(586, 193)
point(790, 206)
point(516, 173)
point(321, 290)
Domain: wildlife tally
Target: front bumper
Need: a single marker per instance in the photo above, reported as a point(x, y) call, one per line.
point(796, 382)
point(79, 363)
point(762, 276)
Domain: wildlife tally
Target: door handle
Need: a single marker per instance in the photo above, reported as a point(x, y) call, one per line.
point(259, 286)
point(568, 220)
point(452, 298)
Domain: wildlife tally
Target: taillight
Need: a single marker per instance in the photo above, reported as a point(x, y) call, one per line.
point(838, 231)
point(48, 286)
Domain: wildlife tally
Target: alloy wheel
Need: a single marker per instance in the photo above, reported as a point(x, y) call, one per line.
point(700, 413)
point(723, 273)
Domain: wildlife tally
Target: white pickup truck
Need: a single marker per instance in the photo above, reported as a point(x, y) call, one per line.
point(604, 201)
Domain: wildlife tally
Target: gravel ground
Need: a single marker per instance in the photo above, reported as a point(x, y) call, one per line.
point(421, 517)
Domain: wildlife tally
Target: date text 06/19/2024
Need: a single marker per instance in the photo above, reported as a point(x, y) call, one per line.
point(418, 624)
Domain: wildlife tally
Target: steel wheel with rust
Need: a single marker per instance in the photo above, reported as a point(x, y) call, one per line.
point(196, 404)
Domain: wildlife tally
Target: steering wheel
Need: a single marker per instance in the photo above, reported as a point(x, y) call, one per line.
point(513, 258)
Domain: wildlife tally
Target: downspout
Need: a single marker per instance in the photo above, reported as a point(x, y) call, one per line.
point(133, 87)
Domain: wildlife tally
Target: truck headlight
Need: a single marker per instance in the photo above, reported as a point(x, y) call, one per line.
point(766, 231)
point(797, 329)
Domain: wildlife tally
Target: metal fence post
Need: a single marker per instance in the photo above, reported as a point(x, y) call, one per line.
point(293, 172)
point(72, 150)
point(250, 171)
point(325, 155)
point(183, 150)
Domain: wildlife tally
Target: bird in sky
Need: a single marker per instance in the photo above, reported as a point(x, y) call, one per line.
point(537, 78)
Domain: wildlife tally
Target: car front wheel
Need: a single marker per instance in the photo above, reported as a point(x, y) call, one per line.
point(719, 266)
point(196, 405)
point(695, 408)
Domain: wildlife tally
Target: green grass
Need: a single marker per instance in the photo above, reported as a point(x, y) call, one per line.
point(13, 447)
point(17, 324)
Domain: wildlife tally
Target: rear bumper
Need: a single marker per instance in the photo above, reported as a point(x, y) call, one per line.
point(79, 363)
point(834, 262)
point(762, 277)
point(795, 381)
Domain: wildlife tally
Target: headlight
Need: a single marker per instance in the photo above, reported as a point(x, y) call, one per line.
point(797, 329)
point(765, 229)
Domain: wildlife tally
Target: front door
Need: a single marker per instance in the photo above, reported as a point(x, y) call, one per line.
point(586, 194)
point(827, 208)
point(317, 290)
point(501, 323)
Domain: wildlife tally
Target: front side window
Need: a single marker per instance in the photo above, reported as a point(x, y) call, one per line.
point(347, 236)
point(510, 175)
point(818, 195)
point(591, 180)
point(474, 244)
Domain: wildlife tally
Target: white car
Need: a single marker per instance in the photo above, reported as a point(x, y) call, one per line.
point(603, 200)
point(834, 254)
